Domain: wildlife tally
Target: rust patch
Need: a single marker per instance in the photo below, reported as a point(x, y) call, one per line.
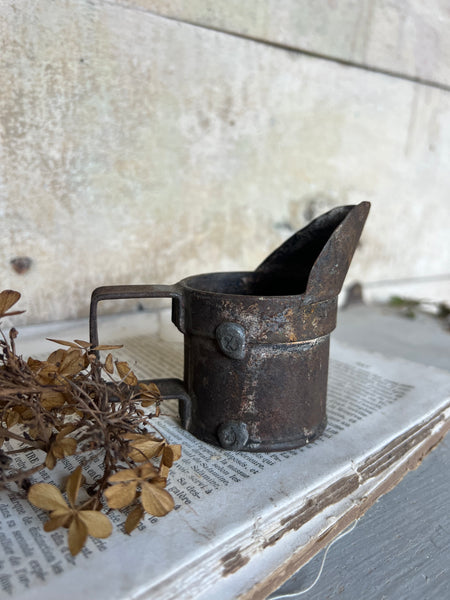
point(233, 561)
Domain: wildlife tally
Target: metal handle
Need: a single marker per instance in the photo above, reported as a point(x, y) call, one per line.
point(169, 388)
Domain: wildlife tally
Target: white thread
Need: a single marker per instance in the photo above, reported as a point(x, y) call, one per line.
point(357, 473)
point(339, 537)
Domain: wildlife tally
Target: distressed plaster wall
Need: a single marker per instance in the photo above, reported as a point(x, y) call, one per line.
point(408, 37)
point(137, 148)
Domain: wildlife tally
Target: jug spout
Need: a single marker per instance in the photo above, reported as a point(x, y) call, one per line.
point(315, 260)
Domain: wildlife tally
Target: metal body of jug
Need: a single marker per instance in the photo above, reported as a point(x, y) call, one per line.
point(257, 343)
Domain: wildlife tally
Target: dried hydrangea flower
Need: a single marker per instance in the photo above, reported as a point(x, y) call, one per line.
point(80, 522)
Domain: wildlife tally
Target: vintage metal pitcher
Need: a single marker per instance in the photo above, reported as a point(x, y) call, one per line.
point(257, 343)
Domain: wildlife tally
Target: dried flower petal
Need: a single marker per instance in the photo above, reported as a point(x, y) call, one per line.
point(72, 363)
point(64, 343)
point(50, 461)
point(7, 299)
point(107, 347)
point(47, 373)
point(125, 373)
point(164, 471)
point(56, 357)
point(52, 399)
point(121, 494)
point(170, 454)
point(144, 448)
point(176, 450)
point(109, 365)
point(150, 393)
point(64, 447)
point(46, 496)
point(57, 522)
point(12, 418)
point(167, 457)
point(82, 343)
point(73, 485)
point(156, 501)
point(34, 364)
point(147, 471)
point(78, 533)
point(133, 519)
point(98, 524)
point(124, 475)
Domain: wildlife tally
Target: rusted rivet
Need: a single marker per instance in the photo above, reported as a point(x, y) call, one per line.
point(233, 435)
point(231, 339)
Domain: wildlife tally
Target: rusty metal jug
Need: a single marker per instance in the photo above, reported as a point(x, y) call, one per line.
point(256, 344)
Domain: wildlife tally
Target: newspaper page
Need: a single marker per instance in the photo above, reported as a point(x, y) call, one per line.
point(230, 506)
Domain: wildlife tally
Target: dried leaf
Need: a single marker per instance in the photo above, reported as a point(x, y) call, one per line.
point(126, 374)
point(133, 519)
point(156, 501)
point(7, 299)
point(77, 535)
point(98, 524)
point(46, 496)
point(121, 494)
point(73, 485)
point(109, 365)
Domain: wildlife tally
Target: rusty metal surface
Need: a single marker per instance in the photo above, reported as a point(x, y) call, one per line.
point(257, 343)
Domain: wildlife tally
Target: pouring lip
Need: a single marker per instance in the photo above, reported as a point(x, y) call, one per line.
point(237, 277)
point(328, 243)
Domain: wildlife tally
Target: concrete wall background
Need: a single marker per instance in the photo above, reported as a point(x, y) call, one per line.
point(143, 141)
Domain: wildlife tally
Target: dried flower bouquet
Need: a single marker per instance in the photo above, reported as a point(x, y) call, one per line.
point(73, 403)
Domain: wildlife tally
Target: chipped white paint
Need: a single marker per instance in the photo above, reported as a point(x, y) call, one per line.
point(138, 149)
